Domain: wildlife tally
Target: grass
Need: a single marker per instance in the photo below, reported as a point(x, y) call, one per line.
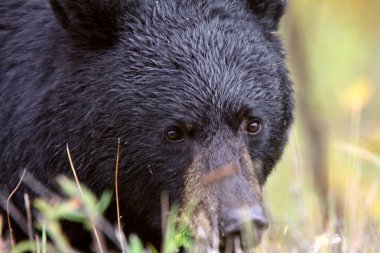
point(353, 223)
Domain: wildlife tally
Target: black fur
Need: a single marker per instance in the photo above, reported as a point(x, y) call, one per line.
point(85, 73)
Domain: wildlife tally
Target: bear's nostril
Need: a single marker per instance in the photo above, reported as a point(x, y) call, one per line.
point(261, 223)
point(232, 228)
point(238, 219)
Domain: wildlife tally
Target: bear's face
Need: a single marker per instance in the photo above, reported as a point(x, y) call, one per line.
point(202, 103)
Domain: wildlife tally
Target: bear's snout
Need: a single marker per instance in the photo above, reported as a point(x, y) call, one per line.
point(241, 212)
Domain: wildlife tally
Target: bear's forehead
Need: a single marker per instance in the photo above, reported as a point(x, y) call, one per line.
point(203, 43)
point(204, 63)
point(199, 32)
point(196, 100)
point(208, 73)
point(215, 61)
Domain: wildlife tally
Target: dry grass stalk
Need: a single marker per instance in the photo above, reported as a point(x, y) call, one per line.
point(95, 231)
point(8, 213)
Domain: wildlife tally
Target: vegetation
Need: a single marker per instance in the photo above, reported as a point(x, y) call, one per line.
point(324, 197)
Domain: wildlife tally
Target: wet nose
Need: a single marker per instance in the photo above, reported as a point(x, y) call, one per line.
point(237, 220)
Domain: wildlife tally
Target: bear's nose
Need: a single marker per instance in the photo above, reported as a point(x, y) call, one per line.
point(245, 220)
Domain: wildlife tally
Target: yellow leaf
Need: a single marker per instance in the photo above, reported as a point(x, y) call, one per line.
point(358, 95)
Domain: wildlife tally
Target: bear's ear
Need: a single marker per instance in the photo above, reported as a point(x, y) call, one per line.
point(268, 12)
point(91, 23)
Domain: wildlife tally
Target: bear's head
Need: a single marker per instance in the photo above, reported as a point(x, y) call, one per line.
point(199, 95)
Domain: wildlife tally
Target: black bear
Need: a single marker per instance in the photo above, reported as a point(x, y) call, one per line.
point(197, 92)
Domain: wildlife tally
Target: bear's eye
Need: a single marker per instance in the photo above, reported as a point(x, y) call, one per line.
point(174, 134)
point(254, 126)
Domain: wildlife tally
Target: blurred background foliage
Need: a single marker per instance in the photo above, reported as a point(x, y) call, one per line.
point(324, 194)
